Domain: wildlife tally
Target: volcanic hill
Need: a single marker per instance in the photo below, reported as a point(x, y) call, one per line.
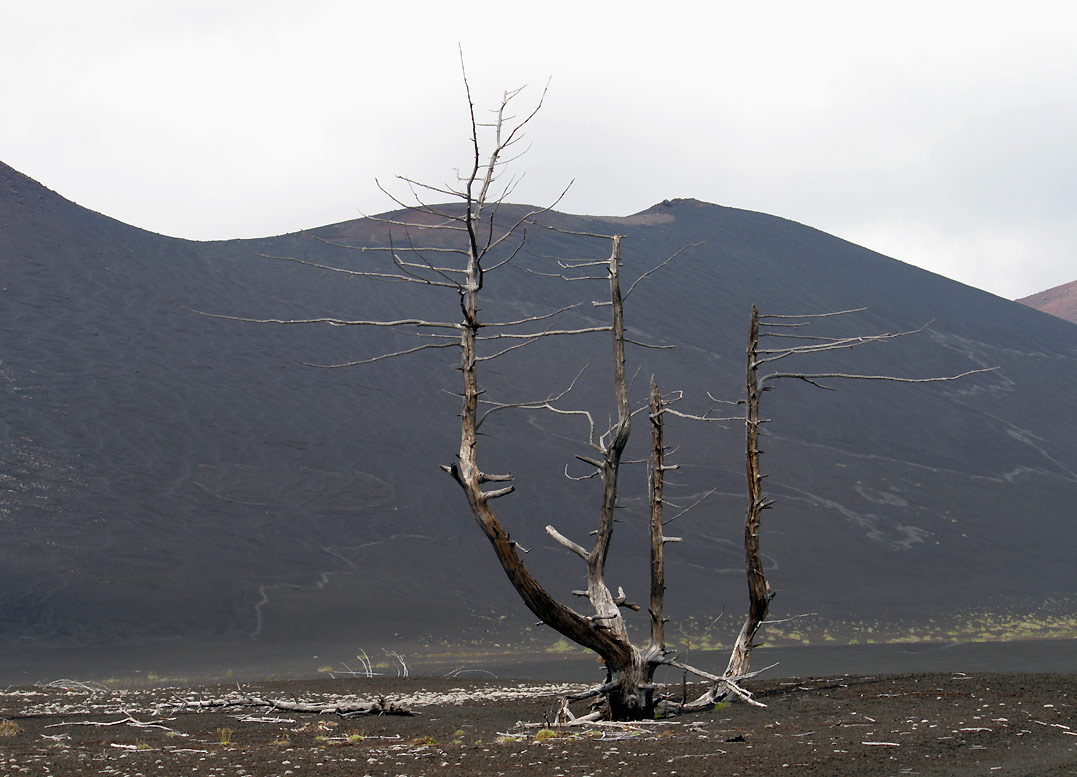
point(173, 482)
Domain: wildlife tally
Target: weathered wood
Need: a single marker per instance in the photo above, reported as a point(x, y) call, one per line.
point(656, 480)
point(759, 593)
point(343, 708)
point(605, 632)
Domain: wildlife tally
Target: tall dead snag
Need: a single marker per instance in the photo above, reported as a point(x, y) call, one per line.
point(629, 688)
point(776, 328)
point(759, 593)
point(655, 483)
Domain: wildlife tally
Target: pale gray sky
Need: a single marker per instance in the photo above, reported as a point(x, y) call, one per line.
point(940, 133)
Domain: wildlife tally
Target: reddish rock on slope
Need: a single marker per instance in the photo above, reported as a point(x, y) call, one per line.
point(1061, 301)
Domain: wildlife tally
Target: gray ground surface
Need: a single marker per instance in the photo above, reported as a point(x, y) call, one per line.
point(926, 724)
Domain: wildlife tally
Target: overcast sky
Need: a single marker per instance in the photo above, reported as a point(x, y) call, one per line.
point(943, 134)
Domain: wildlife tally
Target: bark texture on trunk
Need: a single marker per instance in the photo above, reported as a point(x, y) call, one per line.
point(657, 481)
point(630, 693)
point(759, 593)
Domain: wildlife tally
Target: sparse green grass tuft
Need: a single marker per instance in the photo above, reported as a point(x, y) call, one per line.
point(561, 646)
point(545, 735)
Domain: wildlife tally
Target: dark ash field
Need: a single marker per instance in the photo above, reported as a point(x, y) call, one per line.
point(925, 724)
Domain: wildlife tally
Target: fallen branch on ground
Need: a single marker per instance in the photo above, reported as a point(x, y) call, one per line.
point(130, 721)
point(344, 709)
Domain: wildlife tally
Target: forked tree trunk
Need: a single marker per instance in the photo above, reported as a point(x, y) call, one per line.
point(604, 640)
point(633, 698)
point(629, 689)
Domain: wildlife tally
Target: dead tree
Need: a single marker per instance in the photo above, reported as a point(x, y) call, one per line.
point(760, 353)
point(454, 247)
point(629, 689)
point(460, 245)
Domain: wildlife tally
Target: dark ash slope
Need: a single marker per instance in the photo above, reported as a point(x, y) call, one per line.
point(169, 477)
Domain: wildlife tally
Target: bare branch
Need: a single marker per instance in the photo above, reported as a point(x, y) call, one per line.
point(724, 401)
point(532, 319)
point(845, 376)
point(418, 322)
point(566, 542)
point(649, 345)
point(621, 600)
point(498, 493)
point(843, 343)
point(511, 256)
point(541, 404)
point(772, 621)
point(446, 191)
point(728, 682)
point(690, 507)
point(446, 224)
point(817, 338)
point(508, 349)
point(573, 232)
point(551, 332)
point(426, 265)
point(372, 249)
point(691, 417)
point(382, 357)
point(763, 317)
point(360, 273)
point(580, 477)
point(658, 267)
point(528, 218)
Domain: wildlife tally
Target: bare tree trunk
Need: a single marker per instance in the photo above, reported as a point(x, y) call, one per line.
point(759, 593)
point(597, 590)
point(607, 640)
point(634, 695)
point(629, 690)
point(657, 644)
